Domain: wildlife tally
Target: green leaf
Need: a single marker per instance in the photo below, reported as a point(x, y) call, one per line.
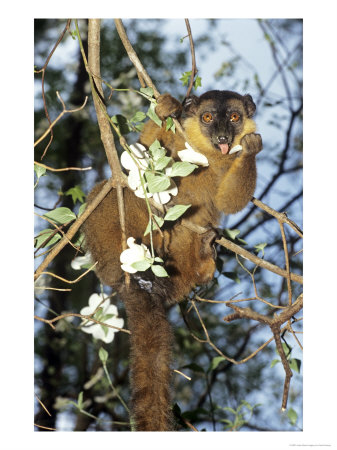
point(176, 211)
point(138, 117)
point(162, 162)
point(61, 215)
point(185, 78)
point(182, 169)
point(139, 127)
point(122, 123)
point(232, 276)
point(159, 271)
point(153, 116)
point(295, 364)
point(99, 314)
point(227, 408)
point(287, 349)
point(170, 125)
point(147, 91)
point(40, 171)
point(274, 362)
point(157, 259)
point(142, 265)
point(155, 146)
point(44, 235)
point(160, 222)
point(157, 183)
point(76, 194)
point(292, 416)
point(103, 355)
point(215, 362)
point(81, 210)
point(231, 234)
point(78, 241)
point(197, 82)
point(260, 248)
point(105, 329)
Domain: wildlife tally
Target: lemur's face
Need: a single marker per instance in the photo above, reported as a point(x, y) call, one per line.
point(218, 120)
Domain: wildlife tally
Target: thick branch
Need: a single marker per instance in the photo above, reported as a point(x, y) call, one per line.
point(103, 122)
point(133, 56)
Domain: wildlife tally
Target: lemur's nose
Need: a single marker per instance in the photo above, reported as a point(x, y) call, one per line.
point(222, 139)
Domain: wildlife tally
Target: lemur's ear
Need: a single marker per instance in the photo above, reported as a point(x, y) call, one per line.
point(190, 103)
point(249, 105)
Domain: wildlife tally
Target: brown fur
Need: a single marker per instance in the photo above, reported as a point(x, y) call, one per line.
point(225, 186)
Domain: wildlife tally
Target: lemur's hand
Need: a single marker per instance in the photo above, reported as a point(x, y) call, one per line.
point(168, 106)
point(251, 143)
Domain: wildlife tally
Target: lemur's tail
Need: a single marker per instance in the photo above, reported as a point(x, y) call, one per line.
point(151, 342)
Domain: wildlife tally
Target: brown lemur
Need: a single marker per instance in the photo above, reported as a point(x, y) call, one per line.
point(214, 123)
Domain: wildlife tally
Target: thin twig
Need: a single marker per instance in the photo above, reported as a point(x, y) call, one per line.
point(281, 217)
point(182, 374)
point(45, 428)
point(286, 256)
point(43, 70)
point(42, 404)
point(62, 113)
point(258, 261)
point(71, 281)
point(194, 68)
point(63, 169)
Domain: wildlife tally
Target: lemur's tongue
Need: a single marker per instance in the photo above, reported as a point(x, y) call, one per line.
point(224, 148)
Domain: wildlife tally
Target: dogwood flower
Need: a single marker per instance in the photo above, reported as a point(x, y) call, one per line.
point(235, 149)
point(106, 313)
point(134, 254)
point(137, 170)
point(80, 261)
point(190, 155)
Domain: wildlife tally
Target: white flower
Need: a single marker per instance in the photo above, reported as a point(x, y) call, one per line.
point(141, 154)
point(235, 149)
point(106, 313)
point(135, 253)
point(190, 155)
point(80, 261)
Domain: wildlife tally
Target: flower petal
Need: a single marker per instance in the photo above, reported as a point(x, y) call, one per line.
point(161, 197)
point(235, 149)
point(138, 150)
point(127, 162)
point(95, 300)
point(190, 155)
point(128, 268)
point(80, 261)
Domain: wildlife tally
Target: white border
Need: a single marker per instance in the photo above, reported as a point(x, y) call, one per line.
point(320, 77)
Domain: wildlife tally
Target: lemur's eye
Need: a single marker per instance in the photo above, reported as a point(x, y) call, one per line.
point(234, 117)
point(207, 117)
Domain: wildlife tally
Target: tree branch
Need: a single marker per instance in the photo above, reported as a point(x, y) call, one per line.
point(103, 122)
point(194, 68)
